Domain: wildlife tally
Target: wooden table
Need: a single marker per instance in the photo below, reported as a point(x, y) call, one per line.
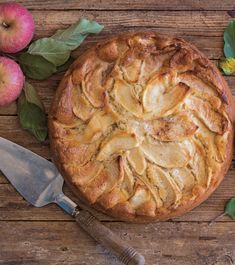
point(49, 236)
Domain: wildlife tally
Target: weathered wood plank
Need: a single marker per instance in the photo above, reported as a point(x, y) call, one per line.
point(189, 25)
point(192, 23)
point(13, 207)
point(129, 5)
point(204, 29)
point(28, 243)
point(11, 130)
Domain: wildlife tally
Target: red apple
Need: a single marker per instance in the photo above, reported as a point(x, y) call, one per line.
point(16, 27)
point(11, 81)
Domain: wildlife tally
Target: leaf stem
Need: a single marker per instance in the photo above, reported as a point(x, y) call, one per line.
point(217, 218)
point(9, 56)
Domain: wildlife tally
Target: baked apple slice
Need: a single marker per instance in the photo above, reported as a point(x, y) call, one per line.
point(168, 190)
point(166, 154)
point(93, 86)
point(184, 178)
point(162, 94)
point(200, 166)
point(117, 144)
point(214, 120)
point(131, 66)
point(173, 128)
point(81, 106)
point(97, 126)
point(125, 95)
point(191, 80)
point(137, 160)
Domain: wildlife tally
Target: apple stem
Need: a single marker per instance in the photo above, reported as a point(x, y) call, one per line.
point(5, 25)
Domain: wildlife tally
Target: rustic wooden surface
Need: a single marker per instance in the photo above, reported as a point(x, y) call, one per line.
point(48, 236)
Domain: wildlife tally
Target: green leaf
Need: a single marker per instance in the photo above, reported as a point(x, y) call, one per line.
point(51, 49)
point(65, 66)
point(230, 208)
point(20, 102)
point(49, 55)
point(227, 65)
point(229, 40)
point(35, 66)
point(32, 118)
point(76, 33)
point(32, 95)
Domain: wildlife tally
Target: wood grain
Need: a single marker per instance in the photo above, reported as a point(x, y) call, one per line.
point(10, 129)
point(130, 5)
point(192, 23)
point(63, 243)
point(45, 236)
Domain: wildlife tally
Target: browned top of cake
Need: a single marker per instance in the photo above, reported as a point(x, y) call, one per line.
point(141, 127)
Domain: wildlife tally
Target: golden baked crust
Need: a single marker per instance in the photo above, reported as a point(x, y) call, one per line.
point(141, 127)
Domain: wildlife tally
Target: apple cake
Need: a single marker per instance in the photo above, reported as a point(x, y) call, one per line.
point(141, 127)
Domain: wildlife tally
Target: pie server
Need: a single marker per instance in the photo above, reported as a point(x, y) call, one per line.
point(40, 183)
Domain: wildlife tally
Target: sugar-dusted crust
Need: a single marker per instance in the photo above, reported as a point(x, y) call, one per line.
point(141, 127)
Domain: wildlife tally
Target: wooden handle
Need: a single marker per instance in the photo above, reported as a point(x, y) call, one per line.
point(125, 253)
